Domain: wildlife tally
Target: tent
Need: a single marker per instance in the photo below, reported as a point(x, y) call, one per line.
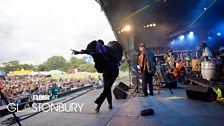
point(56, 72)
point(22, 72)
point(2, 73)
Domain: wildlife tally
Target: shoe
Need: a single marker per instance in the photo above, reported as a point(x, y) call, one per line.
point(97, 110)
point(147, 112)
point(110, 107)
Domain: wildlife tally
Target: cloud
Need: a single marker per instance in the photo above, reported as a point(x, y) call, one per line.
point(34, 30)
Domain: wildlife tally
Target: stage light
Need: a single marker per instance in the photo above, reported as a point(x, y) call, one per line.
point(219, 34)
point(147, 26)
point(209, 38)
point(172, 42)
point(154, 24)
point(181, 37)
point(191, 35)
point(127, 28)
point(205, 8)
point(150, 25)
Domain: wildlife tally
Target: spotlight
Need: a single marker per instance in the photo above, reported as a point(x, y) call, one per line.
point(219, 34)
point(181, 37)
point(150, 25)
point(172, 42)
point(209, 38)
point(205, 8)
point(154, 24)
point(127, 28)
point(191, 35)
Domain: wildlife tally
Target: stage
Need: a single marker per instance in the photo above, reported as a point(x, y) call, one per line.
point(170, 110)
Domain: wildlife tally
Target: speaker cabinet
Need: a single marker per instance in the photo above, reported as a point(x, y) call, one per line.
point(120, 91)
point(200, 93)
point(123, 86)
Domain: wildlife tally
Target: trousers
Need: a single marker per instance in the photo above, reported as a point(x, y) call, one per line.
point(147, 81)
point(110, 73)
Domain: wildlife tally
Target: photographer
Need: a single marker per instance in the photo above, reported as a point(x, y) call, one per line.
point(106, 58)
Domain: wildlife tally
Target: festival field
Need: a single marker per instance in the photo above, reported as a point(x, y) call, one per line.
point(83, 75)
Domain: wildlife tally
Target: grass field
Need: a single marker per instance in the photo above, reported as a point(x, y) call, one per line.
point(83, 75)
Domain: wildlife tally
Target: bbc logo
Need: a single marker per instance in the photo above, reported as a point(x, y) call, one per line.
point(41, 97)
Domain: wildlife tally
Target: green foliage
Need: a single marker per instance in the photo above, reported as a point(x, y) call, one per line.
point(15, 65)
point(59, 63)
point(1, 68)
point(75, 62)
point(88, 67)
point(26, 67)
point(41, 67)
point(124, 66)
point(54, 62)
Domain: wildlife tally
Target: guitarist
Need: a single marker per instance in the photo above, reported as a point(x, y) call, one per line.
point(147, 65)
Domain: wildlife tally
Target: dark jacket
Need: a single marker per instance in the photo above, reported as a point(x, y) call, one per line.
point(151, 60)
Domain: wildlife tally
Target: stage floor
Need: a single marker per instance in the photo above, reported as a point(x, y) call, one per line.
point(170, 110)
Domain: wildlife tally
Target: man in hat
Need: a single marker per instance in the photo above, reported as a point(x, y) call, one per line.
point(206, 53)
point(170, 60)
point(146, 63)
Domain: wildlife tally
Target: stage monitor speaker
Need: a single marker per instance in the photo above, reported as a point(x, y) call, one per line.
point(200, 93)
point(123, 86)
point(120, 91)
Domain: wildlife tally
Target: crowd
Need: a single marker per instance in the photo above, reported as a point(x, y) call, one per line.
point(20, 86)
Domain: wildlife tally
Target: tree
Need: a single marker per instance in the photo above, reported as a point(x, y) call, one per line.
point(1, 68)
point(54, 62)
point(41, 67)
point(88, 67)
point(15, 65)
point(11, 66)
point(26, 67)
point(75, 62)
point(124, 66)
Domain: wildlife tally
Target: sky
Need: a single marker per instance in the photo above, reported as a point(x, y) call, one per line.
point(33, 30)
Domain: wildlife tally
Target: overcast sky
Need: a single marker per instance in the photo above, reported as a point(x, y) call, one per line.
point(33, 30)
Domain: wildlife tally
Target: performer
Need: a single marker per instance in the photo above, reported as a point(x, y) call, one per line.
point(220, 63)
point(170, 60)
point(177, 68)
point(206, 53)
point(187, 63)
point(147, 64)
point(106, 58)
